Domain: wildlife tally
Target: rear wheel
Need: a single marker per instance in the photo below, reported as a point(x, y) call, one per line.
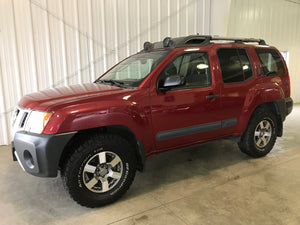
point(100, 170)
point(260, 135)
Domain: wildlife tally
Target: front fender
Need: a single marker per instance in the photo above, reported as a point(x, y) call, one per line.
point(93, 115)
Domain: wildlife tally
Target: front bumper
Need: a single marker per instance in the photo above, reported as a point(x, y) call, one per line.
point(39, 154)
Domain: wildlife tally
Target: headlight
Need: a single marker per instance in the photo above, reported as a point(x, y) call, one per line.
point(37, 121)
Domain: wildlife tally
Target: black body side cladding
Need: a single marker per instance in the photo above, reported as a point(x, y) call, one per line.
point(169, 134)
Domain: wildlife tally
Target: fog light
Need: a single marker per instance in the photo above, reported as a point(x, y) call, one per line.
point(28, 159)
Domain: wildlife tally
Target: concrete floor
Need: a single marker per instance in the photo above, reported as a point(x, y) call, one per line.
point(211, 184)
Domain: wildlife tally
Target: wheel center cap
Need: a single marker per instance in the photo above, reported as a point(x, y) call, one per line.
point(101, 170)
point(262, 133)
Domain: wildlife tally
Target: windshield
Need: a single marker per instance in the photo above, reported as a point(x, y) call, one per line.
point(132, 71)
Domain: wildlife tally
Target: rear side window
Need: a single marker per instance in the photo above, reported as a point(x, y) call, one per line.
point(270, 62)
point(235, 65)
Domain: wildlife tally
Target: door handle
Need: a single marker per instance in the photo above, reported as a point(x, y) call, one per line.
point(212, 96)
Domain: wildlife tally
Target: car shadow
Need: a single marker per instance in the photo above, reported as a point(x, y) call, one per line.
point(28, 195)
point(184, 164)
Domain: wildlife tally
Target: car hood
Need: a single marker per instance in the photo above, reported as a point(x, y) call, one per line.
point(51, 99)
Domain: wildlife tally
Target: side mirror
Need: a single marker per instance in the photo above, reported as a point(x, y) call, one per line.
point(269, 73)
point(172, 81)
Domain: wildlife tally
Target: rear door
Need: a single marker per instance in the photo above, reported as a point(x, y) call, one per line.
point(237, 73)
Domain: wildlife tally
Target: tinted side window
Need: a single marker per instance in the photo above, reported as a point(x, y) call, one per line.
point(235, 65)
point(193, 66)
point(270, 61)
point(246, 65)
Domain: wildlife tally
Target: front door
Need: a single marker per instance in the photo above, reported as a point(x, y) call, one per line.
point(189, 113)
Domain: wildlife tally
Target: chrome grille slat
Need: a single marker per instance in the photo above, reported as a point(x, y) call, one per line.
point(23, 120)
point(19, 120)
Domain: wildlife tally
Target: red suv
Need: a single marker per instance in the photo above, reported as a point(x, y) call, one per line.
point(175, 93)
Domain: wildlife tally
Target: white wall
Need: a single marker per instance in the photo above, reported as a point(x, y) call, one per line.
point(219, 17)
point(276, 21)
point(51, 43)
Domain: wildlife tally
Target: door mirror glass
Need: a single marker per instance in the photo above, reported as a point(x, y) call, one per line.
point(172, 81)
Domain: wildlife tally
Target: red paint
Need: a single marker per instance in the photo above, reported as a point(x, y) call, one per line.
point(146, 112)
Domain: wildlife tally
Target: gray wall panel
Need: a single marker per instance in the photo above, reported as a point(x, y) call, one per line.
point(52, 43)
point(276, 21)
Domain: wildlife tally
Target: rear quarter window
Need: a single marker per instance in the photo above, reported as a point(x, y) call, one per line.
point(270, 61)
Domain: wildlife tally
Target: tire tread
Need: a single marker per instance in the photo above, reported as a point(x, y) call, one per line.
point(66, 170)
point(246, 143)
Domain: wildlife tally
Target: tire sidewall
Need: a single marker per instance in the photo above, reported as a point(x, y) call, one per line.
point(82, 193)
point(270, 117)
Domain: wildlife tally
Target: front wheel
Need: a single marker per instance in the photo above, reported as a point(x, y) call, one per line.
point(100, 170)
point(260, 135)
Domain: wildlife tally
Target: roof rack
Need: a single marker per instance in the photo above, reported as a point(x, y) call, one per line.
point(196, 40)
point(240, 40)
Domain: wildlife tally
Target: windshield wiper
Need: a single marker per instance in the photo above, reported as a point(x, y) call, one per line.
point(113, 82)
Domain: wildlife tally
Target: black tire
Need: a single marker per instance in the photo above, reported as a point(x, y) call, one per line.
point(113, 161)
point(258, 142)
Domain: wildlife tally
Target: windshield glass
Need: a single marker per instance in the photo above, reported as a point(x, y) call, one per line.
point(132, 71)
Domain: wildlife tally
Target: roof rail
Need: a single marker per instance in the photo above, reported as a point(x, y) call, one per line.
point(239, 40)
point(195, 40)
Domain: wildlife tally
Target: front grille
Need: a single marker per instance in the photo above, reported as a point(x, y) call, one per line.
point(23, 120)
point(14, 116)
point(17, 112)
point(19, 119)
